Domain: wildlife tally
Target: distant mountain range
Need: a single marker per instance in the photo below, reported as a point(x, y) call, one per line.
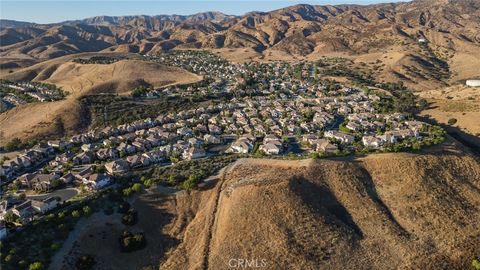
point(299, 30)
point(424, 43)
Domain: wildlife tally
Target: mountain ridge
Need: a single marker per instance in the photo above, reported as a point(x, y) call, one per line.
point(428, 39)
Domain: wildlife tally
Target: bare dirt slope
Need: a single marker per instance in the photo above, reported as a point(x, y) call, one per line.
point(119, 77)
point(387, 211)
point(44, 119)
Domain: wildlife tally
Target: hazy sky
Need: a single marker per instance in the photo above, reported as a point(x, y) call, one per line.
point(41, 11)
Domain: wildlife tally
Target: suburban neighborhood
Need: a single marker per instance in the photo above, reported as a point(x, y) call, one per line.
point(288, 115)
point(16, 94)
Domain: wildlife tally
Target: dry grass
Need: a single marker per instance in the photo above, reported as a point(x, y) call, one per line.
point(42, 119)
point(400, 211)
point(459, 102)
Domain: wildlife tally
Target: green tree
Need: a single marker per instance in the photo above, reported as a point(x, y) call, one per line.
point(137, 187)
point(476, 264)
point(172, 180)
point(127, 192)
point(148, 182)
point(87, 210)
point(13, 145)
point(36, 266)
point(191, 182)
point(75, 214)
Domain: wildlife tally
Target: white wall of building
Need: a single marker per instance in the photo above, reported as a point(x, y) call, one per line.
point(473, 83)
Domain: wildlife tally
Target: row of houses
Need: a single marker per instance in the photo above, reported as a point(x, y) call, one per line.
point(27, 209)
point(30, 158)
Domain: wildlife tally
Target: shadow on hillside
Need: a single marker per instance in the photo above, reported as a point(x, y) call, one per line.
point(372, 193)
point(153, 218)
point(324, 201)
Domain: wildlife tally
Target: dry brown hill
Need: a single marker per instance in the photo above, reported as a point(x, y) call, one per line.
point(383, 31)
point(54, 118)
point(386, 211)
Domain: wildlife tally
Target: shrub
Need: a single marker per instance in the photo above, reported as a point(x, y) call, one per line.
point(191, 182)
point(87, 210)
point(130, 218)
point(75, 214)
point(85, 262)
point(137, 187)
point(36, 266)
point(130, 242)
point(452, 121)
point(147, 182)
point(476, 264)
point(8, 258)
point(127, 192)
point(13, 145)
point(55, 246)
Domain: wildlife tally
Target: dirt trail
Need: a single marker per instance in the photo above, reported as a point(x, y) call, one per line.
point(213, 219)
point(81, 226)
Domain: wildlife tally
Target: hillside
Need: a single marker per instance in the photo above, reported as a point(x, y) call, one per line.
point(387, 33)
point(385, 211)
point(65, 116)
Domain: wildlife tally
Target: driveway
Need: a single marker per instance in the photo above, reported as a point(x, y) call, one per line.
point(64, 194)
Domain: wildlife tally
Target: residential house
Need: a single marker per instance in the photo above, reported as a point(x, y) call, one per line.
point(87, 147)
point(68, 178)
point(271, 145)
point(372, 142)
point(155, 156)
point(97, 181)
point(107, 153)
point(83, 175)
point(325, 146)
point(271, 148)
point(117, 167)
point(212, 139)
point(243, 145)
point(83, 158)
point(193, 153)
point(6, 171)
point(39, 182)
point(45, 205)
point(58, 144)
point(137, 161)
point(24, 210)
point(65, 157)
point(342, 137)
point(126, 149)
point(195, 142)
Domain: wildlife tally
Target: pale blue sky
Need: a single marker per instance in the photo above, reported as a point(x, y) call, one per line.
point(41, 11)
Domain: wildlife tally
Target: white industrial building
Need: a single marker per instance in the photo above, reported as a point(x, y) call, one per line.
point(473, 83)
